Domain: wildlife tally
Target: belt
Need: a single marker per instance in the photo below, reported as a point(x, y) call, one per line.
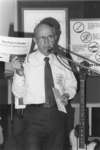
point(44, 105)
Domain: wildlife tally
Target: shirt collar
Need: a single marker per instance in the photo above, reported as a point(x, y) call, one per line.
point(41, 56)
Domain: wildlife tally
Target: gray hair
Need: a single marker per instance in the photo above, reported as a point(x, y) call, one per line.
point(42, 23)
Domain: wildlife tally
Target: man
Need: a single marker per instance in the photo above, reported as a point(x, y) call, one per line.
point(60, 51)
point(44, 124)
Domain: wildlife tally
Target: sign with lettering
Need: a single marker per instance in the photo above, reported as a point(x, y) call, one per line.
point(13, 46)
point(85, 40)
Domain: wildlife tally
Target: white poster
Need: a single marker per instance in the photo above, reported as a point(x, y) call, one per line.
point(13, 46)
point(85, 40)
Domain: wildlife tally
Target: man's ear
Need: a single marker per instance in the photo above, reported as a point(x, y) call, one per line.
point(34, 40)
point(56, 37)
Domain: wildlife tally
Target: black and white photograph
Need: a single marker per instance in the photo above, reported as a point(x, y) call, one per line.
point(49, 75)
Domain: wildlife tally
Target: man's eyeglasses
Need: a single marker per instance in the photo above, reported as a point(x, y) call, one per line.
point(44, 38)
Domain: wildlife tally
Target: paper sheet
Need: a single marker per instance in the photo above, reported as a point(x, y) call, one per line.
point(60, 105)
point(14, 46)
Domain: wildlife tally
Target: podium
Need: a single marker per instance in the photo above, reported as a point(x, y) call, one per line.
point(92, 96)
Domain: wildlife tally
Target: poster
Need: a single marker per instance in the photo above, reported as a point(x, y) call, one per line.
point(85, 41)
point(13, 46)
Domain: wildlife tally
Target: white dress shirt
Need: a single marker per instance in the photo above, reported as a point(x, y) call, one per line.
point(31, 85)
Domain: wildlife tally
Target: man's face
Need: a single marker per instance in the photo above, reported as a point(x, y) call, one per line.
point(45, 38)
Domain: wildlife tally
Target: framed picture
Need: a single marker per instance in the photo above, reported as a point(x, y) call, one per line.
point(29, 17)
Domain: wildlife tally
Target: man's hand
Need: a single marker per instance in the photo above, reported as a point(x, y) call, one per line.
point(15, 62)
point(17, 65)
point(64, 98)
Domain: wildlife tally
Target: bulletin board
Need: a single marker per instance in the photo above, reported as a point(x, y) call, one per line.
point(85, 40)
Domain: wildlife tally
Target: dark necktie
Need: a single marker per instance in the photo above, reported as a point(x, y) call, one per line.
point(49, 84)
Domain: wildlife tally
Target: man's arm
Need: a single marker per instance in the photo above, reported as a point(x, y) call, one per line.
point(18, 87)
point(70, 84)
point(18, 78)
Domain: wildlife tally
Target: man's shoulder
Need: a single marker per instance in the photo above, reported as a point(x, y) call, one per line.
point(61, 61)
point(33, 59)
point(32, 55)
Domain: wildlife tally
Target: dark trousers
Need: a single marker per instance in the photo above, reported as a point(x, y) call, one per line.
point(43, 129)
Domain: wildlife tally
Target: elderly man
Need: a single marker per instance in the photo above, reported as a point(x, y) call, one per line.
point(35, 82)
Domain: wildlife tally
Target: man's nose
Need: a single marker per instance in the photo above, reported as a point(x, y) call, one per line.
point(47, 41)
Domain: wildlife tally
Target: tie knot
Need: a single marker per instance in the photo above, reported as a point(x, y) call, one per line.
point(46, 59)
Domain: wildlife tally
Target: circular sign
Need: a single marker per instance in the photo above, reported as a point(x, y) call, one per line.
point(78, 27)
point(97, 57)
point(93, 47)
point(86, 37)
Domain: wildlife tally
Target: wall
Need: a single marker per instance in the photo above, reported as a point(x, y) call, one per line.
point(7, 15)
point(8, 11)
